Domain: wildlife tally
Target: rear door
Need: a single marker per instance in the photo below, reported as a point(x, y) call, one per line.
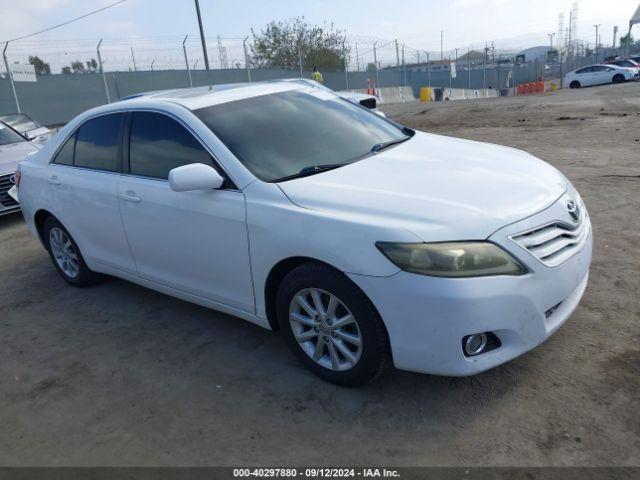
point(83, 181)
point(195, 242)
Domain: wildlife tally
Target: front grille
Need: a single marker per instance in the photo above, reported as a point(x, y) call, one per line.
point(5, 200)
point(368, 102)
point(557, 242)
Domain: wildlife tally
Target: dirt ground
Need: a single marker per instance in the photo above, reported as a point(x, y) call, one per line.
point(120, 375)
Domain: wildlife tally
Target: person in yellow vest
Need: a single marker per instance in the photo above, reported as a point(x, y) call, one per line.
point(316, 75)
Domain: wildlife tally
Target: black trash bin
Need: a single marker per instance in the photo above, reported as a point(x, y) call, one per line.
point(438, 94)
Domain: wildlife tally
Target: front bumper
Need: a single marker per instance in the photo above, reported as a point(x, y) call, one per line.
point(427, 317)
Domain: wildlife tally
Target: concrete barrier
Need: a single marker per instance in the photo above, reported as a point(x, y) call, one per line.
point(451, 94)
point(393, 94)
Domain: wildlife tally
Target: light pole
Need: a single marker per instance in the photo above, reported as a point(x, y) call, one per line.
point(204, 43)
point(441, 44)
point(596, 26)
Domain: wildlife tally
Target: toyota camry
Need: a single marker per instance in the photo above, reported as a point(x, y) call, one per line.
point(362, 241)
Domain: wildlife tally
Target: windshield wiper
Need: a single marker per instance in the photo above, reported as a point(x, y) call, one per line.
point(312, 170)
point(382, 145)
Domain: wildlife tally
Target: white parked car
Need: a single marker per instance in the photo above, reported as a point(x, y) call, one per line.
point(13, 149)
point(359, 239)
point(598, 75)
point(27, 127)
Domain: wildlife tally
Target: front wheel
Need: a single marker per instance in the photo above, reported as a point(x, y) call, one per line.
point(574, 84)
point(331, 326)
point(66, 256)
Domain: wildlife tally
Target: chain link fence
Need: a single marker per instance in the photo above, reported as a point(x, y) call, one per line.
point(90, 72)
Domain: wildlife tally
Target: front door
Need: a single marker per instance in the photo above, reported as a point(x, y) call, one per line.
point(195, 242)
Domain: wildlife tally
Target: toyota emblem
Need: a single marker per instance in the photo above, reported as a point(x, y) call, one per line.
point(573, 209)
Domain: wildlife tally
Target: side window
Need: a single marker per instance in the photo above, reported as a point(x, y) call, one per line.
point(158, 144)
point(65, 155)
point(98, 143)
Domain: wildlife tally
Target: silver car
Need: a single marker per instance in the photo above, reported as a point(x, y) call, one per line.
point(13, 149)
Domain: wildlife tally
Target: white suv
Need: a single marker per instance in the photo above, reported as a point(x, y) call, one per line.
point(358, 238)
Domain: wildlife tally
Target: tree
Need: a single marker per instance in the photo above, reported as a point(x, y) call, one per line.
point(624, 39)
point(40, 66)
point(77, 67)
point(66, 70)
point(92, 66)
point(279, 45)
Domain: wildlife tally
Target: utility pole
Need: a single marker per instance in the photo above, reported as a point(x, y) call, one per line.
point(493, 52)
point(246, 58)
point(615, 34)
point(300, 59)
point(441, 44)
point(596, 26)
point(104, 79)
point(186, 61)
point(551, 35)
point(204, 43)
point(134, 61)
point(10, 76)
point(428, 71)
point(357, 58)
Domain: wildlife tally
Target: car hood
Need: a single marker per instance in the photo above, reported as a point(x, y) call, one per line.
point(437, 187)
point(12, 154)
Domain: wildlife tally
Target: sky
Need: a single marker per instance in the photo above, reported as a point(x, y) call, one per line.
point(511, 24)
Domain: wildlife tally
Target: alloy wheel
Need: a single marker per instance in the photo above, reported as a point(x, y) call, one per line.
point(63, 252)
point(325, 329)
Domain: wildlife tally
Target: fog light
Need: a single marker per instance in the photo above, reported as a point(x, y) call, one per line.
point(475, 344)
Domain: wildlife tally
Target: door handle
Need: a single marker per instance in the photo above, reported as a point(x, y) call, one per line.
point(53, 180)
point(129, 198)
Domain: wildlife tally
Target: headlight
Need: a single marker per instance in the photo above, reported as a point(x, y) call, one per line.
point(452, 259)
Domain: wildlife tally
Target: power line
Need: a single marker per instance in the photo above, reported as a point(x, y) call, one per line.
point(65, 23)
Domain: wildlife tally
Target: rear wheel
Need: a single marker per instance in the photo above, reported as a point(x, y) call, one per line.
point(618, 78)
point(331, 326)
point(574, 84)
point(66, 256)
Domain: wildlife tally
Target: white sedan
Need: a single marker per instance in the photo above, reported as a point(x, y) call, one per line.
point(359, 239)
point(598, 75)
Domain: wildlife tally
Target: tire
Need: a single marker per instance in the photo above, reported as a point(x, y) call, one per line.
point(66, 256)
point(618, 78)
point(574, 84)
point(359, 364)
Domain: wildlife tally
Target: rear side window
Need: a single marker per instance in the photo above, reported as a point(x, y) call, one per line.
point(65, 155)
point(158, 144)
point(98, 143)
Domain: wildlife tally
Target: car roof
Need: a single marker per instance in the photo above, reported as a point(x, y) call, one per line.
point(199, 97)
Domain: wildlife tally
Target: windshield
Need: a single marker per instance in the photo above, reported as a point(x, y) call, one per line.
point(19, 121)
point(7, 135)
point(279, 135)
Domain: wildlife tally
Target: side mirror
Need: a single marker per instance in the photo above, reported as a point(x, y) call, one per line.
point(195, 176)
